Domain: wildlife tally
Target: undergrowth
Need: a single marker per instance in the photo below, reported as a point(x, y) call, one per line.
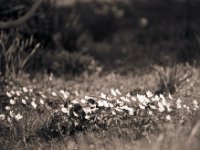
point(16, 52)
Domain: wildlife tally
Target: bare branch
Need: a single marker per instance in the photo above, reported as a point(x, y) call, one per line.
point(23, 19)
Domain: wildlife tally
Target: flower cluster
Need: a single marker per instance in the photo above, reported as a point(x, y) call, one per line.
point(117, 108)
point(100, 111)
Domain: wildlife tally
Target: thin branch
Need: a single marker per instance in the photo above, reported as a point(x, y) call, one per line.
point(23, 19)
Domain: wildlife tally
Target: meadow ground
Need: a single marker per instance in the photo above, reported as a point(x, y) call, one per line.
point(34, 113)
point(131, 85)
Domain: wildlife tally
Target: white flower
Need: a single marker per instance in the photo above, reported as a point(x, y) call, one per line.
point(111, 105)
point(30, 90)
point(65, 93)
point(70, 106)
point(75, 101)
point(188, 108)
point(87, 110)
point(12, 92)
point(149, 94)
point(128, 95)
point(113, 112)
point(62, 91)
point(178, 100)
point(125, 99)
point(87, 117)
point(121, 103)
point(54, 93)
point(129, 109)
point(194, 108)
point(195, 103)
point(131, 112)
point(61, 105)
point(89, 97)
point(133, 98)
point(7, 107)
point(170, 96)
point(18, 117)
point(162, 96)
point(42, 101)
point(23, 101)
point(118, 109)
point(8, 94)
point(34, 104)
point(64, 110)
point(109, 99)
point(168, 108)
point(141, 106)
point(12, 114)
point(184, 106)
point(83, 101)
point(150, 112)
point(161, 107)
point(168, 117)
point(100, 103)
point(113, 92)
point(43, 96)
point(105, 104)
point(2, 117)
point(152, 106)
point(25, 89)
point(103, 96)
point(155, 98)
point(125, 107)
point(143, 99)
point(12, 102)
point(9, 119)
point(178, 103)
point(26, 97)
point(164, 102)
point(18, 93)
point(118, 92)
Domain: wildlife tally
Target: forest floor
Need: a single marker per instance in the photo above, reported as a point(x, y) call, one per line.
point(128, 115)
point(139, 91)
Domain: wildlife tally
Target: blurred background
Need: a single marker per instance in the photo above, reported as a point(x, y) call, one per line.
point(69, 37)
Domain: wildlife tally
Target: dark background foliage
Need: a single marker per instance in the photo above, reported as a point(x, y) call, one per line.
point(122, 33)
